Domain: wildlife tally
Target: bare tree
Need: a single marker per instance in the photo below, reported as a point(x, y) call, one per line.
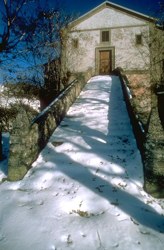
point(35, 38)
point(44, 51)
point(17, 26)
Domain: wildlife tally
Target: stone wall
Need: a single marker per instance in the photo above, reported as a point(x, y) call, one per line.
point(154, 154)
point(137, 124)
point(139, 84)
point(30, 136)
point(149, 135)
point(23, 145)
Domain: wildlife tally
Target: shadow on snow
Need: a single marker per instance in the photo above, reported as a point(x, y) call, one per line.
point(111, 147)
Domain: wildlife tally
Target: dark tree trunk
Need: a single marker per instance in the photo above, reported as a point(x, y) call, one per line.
point(1, 153)
point(160, 108)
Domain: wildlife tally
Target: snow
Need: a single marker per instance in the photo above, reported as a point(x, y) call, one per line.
point(6, 101)
point(85, 190)
point(128, 91)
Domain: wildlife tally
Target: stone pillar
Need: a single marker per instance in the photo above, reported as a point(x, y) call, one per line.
point(23, 145)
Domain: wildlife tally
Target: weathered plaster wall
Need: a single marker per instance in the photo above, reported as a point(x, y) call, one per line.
point(128, 55)
point(109, 18)
point(123, 30)
point(82, 58)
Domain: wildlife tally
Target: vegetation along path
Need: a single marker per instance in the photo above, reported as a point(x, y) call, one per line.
point(85, 190)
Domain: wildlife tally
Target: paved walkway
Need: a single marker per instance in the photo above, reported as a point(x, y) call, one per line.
point(85, 192)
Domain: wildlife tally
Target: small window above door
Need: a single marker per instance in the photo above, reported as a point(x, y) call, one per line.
point(75, 43)
point(139, 39)
point(105, 36)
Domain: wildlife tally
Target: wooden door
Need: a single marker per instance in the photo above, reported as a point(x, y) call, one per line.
point(105, 62)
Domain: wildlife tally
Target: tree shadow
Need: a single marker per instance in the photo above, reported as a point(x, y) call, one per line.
point(109, 151)
point(138, 211)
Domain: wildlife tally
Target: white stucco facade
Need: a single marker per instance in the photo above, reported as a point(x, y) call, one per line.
point(84, 40)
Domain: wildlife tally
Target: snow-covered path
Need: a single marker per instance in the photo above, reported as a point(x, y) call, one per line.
point(85, 192)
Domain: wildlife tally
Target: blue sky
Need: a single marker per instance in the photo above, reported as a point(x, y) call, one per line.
point(148, 7)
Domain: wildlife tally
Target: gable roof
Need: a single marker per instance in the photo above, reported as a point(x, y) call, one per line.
point(108, 4)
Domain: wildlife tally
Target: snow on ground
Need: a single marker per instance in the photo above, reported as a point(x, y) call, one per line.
point(6, 101)
point(33, 103)
point(84, 191)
